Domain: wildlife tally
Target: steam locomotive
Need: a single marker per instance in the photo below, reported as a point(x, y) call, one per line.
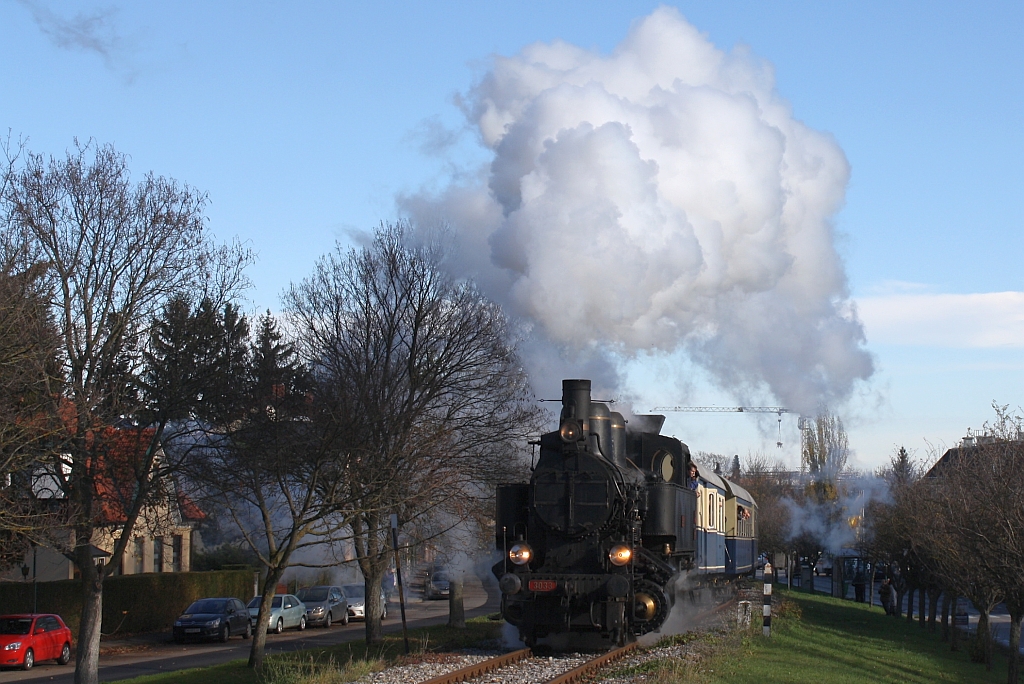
point(612, 518)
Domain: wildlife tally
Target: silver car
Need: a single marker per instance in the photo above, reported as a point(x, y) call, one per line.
point(356, 595)
point(324, 605)
point(286, 611)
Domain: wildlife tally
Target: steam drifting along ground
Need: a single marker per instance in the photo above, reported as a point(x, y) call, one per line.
point(659, 198)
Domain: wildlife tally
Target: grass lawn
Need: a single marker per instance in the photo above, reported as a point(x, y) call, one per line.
point(821, 639)
point(342, 663)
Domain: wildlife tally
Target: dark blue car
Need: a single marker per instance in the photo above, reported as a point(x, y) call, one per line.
point(213, 618)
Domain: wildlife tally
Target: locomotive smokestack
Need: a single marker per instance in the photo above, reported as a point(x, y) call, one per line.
point(576, 401)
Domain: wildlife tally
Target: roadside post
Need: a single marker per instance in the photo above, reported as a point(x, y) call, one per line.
point(398, 576)
point(767, 630)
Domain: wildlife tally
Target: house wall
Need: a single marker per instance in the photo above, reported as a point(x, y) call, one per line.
point(51, 565)
point(168, 539)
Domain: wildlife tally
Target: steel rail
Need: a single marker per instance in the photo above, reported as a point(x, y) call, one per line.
point(591, 666)
point(481, 668)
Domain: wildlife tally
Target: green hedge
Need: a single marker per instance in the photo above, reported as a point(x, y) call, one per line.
point(131, 603)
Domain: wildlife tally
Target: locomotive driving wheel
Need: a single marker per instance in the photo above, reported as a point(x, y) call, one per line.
point(651, 606)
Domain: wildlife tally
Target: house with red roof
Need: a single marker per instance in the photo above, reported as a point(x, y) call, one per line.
point(162, 536)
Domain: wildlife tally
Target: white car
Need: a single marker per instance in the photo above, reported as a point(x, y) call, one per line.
point(356, 595)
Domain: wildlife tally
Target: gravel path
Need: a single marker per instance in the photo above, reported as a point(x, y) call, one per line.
point(528, 671)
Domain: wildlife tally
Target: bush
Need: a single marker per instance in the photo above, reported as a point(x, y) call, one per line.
point(147, 602)
point(225, 557)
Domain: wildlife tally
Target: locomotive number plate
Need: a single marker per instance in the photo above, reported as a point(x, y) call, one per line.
point(542, 585)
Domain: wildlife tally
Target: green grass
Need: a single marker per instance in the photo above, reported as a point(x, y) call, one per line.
point(821, 639)
point(337, 664)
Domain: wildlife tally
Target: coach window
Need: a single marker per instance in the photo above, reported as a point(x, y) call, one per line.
point(711, 511)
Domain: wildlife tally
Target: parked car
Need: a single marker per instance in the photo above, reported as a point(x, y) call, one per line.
point(356, 595)
point(823, 567)
point(437, 586)
point(286, 611)
point(213, 618)
point(324, 605)
point(29, 638)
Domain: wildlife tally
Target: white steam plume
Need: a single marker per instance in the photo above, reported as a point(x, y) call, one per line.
point(659, 198)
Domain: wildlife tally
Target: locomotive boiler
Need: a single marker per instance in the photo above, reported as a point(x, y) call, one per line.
point(610, 518)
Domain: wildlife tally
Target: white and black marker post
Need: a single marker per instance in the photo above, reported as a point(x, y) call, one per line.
point(398, 576)
point(767, 630)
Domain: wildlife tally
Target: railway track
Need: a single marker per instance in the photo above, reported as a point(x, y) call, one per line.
point(534, 668)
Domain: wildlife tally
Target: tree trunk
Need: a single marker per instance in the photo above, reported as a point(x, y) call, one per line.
point(985, 635)
point(954, 635)
point(374, 605)
point(933, 599)
point(259, 637)
point(1014, 665)
point(456, 609)
point(898, 612)
point(910, 604)
point(922, 603)
point(945, 615)
point(87, 656)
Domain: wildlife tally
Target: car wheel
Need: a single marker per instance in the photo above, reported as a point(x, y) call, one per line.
point(65, 655)
point(302, 623)
point(327, 621)
point(280, 626)
point(248, 630)
point(225, 634)
point(344, 618)
point(30, 660)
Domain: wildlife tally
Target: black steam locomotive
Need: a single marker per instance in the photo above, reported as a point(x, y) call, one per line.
point(610, 519)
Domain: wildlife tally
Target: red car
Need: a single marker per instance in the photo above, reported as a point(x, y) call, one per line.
point(26, 639)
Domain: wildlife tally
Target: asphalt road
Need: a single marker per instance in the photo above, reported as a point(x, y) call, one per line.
point(157, 653)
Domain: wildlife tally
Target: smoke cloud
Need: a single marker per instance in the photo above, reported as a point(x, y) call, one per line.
point(660, 198)
point(89, 32)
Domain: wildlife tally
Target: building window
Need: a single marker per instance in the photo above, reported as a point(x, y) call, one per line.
point(158, 554)
point(176, 553)
point(140, 555)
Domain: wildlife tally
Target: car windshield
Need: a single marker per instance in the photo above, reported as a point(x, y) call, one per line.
point(207, 606)
point(440, 577)
point(15, 625)
point(354, 590)
point(255, 603)
point(313, 594)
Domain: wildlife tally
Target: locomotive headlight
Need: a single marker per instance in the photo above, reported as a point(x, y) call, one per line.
point(570, 431)
point(620, 554)
point(520, 553)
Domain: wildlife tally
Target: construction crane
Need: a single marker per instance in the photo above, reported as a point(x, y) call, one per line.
point(778, 410)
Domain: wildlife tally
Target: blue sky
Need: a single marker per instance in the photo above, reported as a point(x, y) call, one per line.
point(304, 120)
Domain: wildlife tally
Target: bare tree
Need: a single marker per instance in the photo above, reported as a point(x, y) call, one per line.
point(770, 484)
point(29, 385)
point(972, 505)
point(825, 448)
point(116, 252)
point(982, 494)
point(425, 380)
point(275, 469)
